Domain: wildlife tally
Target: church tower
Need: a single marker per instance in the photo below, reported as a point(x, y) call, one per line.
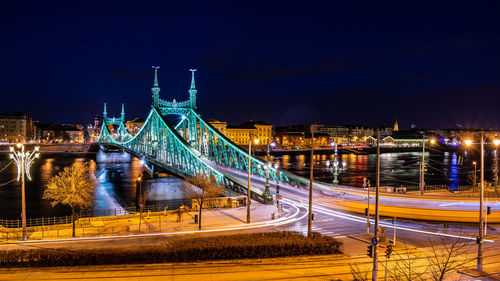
point(396, 127)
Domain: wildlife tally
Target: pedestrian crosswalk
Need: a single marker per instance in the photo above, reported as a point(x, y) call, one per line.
point(326, 227)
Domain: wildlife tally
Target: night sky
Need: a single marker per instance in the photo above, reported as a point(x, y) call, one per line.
point(433, 64)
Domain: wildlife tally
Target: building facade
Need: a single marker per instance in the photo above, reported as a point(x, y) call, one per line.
point(257, 129)
point(219, 125)
point(15, 127)
point(60, 133)
point(134, 126)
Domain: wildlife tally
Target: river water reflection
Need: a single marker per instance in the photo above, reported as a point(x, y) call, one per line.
point(397, 169)
point(117, 175)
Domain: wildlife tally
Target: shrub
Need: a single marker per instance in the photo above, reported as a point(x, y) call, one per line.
point(239, 246)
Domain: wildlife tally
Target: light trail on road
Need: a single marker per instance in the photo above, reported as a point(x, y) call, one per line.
point(277, 222)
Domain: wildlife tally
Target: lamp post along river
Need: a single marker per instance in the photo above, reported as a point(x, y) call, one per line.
point(23, 160)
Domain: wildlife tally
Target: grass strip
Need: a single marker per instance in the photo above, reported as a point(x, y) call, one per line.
point(224, 247)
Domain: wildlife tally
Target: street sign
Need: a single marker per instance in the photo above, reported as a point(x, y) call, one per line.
point(374, 241)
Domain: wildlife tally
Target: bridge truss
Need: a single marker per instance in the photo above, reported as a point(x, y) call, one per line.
point(190, 148)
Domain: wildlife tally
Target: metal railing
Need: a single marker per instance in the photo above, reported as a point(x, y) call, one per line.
point(45, 221)
point(436, 187)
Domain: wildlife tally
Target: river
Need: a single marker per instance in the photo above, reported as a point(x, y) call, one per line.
point(117, 174)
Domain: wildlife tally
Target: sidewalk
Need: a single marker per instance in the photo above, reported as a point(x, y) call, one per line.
point(151, 222)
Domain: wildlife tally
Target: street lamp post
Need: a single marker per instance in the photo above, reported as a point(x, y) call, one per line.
point(23, 161)
point(250, 172)
point(310, 217)
point(480, 238)
point(268, 197)
point(496, 142)
point(278, 196)
point(481, 218)
point(376, 230)
point(335, 169)
point(475, 176)
point(422, 167)
point(366, 184)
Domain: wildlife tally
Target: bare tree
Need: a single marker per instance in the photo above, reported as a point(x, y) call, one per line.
point(446, 258)
point(358, 274)
point(73, 187)
point(199, 188)
point(404, 266)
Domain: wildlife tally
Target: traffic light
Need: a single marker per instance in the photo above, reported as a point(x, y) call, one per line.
point(478, 240)
point(488, 210)
point(370, 251)
point(393, 220)
point(388, 251)
point(366, 211)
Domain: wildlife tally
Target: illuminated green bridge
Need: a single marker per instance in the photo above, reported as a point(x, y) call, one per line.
point(190, 147)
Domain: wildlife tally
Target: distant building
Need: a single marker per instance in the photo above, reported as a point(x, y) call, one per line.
point(60, 133)
point(290, 138)
point(299, 136)
point(399, 139)
point(358, 134)
point(320, 139)
point(134, 126)
point(338, 134)
point(241, 134)
point(396, 126)
point(219, 125)
point(17, 126)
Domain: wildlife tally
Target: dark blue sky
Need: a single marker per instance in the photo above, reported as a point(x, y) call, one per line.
point(434, 64)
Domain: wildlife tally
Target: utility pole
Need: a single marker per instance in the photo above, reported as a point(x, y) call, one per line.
point(481, 198)
point(23, 195)
point(309, 220)
point(249, 175)
point(422, 167)
point(375, 233)
point(366, 184)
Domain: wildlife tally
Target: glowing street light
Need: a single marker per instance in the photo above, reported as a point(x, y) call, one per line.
point(267, 170)
point(335, 168)
point(496, 142)
point(256, 141)
point(468, 142)
point(278, 196)
point(23, 160)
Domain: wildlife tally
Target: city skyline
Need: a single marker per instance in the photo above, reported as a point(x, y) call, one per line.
point(280, 63)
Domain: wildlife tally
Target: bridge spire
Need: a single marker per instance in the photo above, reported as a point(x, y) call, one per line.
point(156, 89)
point(123, 113)
point(104, 114)
point(192, 91)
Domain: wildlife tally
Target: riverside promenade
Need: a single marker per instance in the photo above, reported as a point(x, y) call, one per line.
point(151, 223)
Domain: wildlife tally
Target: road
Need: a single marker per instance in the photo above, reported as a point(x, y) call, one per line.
point(330, 267)
point(329, 220)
